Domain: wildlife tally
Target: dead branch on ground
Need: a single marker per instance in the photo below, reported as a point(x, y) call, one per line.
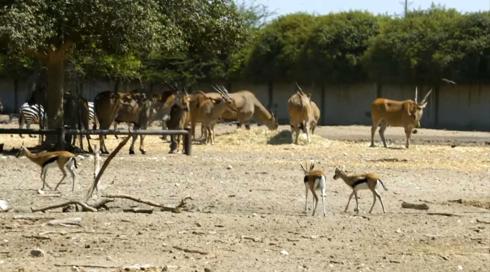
point(85, 206)
point(191, 250)
point(66, 222)
point(99, 174)
point(442, 214)
point(482, 221)
point(176, 209)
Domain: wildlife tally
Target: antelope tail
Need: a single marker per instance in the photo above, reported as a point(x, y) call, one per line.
point(382, 184)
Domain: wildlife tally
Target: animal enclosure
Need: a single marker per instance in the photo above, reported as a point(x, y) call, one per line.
point(248, 202)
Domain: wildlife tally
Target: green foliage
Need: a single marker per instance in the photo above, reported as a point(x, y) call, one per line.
point(211, 31)
point(470, 45)
point(117, 26)
point(336, 45)
point(208, 40)
point(277, 51)
point(415, 48)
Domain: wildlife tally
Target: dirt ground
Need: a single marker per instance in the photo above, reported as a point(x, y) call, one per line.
point(246, 212)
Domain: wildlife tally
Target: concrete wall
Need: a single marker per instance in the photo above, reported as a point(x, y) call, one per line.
point(464, 107)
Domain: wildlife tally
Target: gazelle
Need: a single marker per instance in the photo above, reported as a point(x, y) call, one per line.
point(368, 181)
point(63, 159)
point(314, 180)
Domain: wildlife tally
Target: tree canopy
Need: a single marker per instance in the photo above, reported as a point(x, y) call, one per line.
point(122, 39)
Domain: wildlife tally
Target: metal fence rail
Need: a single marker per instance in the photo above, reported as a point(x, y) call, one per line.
point(62, 132)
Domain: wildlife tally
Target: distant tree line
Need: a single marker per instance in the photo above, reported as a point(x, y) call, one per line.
point(424, 46)
point(194, 40)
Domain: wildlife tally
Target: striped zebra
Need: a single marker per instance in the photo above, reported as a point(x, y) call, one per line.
point(91, 115)
point(30, 114)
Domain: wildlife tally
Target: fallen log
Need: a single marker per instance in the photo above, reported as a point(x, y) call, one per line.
point(407, 205)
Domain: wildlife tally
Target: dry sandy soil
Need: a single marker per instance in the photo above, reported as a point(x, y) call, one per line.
point(246, 212)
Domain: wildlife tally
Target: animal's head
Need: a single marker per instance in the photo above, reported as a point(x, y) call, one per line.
point(272, 123)
point(338, 172)
point(22, 151)
point(416, 110)
point(225, 97)
point(182, 100)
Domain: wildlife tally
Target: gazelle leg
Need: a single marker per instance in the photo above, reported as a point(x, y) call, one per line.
point(323, 202)
point(71, 168)
point(62, 168)
point(348, 202)
point(374, 201)
point(315, 201)
point(357, 201)
point(43, 178)
point(380, 200)
point(306, 197)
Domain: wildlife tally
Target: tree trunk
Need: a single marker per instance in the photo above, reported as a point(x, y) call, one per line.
point(55, 63)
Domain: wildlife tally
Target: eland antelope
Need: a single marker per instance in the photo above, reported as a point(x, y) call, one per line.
point(406, 114)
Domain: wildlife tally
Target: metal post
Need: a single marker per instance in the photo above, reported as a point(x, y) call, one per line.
point(188, 142)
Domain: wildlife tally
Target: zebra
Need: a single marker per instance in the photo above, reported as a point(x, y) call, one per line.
point(91, 114)
point(30, 114)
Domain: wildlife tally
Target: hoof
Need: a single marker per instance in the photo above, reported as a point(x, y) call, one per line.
point(143, 152)
point(131, 152)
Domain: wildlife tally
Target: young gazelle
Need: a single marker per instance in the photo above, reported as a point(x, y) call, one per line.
point(64, 160)
point(314, 180)
point(361, 182)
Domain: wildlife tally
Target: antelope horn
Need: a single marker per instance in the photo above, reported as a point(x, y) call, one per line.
point(303, 167)
point(299, 87)
point(449, 81)
point(225, 91)
point(416, 94)
point(216, 89)
point(426, 96)
point(223, 88)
